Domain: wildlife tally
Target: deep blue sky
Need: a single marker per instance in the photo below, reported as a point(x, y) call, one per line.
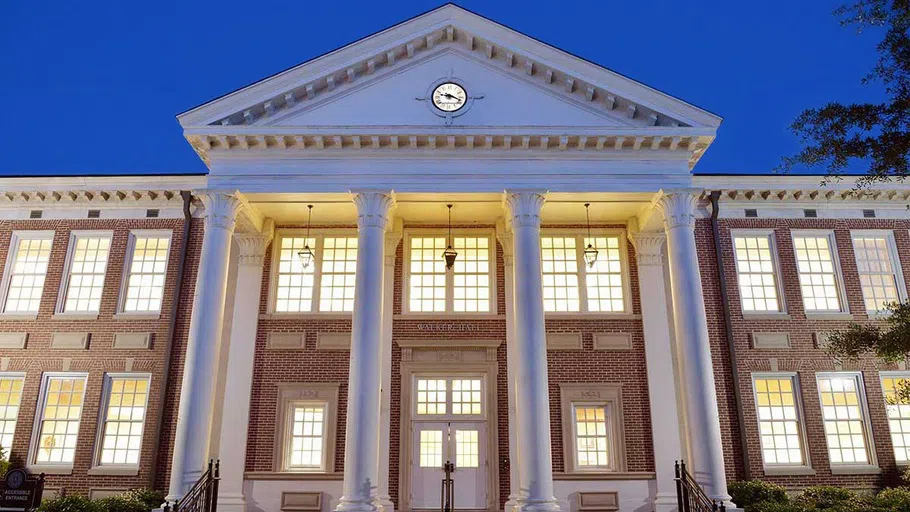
point(93, 87)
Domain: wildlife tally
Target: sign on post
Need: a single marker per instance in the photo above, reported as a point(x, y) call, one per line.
point(21, 491)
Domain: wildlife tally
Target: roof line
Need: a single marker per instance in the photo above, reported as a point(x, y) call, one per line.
point(104, 175)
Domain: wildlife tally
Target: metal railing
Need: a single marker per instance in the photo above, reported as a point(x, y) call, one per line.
point(203, 496)
point(690, 496)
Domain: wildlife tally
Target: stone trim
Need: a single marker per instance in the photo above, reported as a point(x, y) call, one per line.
point(771, 340)
point(558, 341)
point(285, 340)
point(13, 340)
point(598, 502)
point(289, 394)
point(613, 341)
point(333, 341)
point(133, 340)
point(302, 501)
point(70, 340)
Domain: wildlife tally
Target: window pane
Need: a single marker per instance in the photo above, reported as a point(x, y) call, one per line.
point(845, 427)
point(755, 270)
point(307, 436)
point(591, 438)
point(88, 264)
point(604, 280)
point(431, 396)
point(10, 398)
point(472, 274)
point(145, 281)
point(59, 425)
point(431, 448)
point(467, 449)
point(427, 291)
point(778, 421)
point(559, 258)
point(817, 274)
point(466, 396)
point(898, 417)
point(29, 268)
point(124, 420)
point(295, 282)
point(876, 271)
point(339, 263)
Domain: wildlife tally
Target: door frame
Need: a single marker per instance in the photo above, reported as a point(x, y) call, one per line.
point(449, 358)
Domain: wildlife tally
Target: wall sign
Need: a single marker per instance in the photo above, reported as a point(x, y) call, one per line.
point(21, 491)
point(448, 327)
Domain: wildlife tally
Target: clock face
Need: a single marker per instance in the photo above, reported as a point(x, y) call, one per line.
point(449, 97)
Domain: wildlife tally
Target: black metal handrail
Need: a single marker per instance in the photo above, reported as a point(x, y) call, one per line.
point(690, 496)
point(203, 496)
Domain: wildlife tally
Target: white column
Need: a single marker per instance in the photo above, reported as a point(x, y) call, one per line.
point(361, 431)
point(692, 334)
point(531, 360)
point(504, 234)
point(235, 415)
point(662, 377)
point(385, 416)
point(197, 392)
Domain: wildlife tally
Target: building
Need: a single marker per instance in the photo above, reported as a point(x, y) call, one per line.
point(329, 358)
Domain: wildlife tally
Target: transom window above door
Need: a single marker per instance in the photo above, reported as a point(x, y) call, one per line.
point(467, 287)
point(454, 396)
point(325, 284)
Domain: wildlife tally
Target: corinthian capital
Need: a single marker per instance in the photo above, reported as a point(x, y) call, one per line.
point(221, 208)
point(678, 208)
point(373, 208)
point(524, 207)
point(252, 245)
point(648, 248)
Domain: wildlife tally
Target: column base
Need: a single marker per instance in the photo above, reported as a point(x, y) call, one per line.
point(358, 505)
point(231, 502)
point(666, 502)
point(513, 505)
point(532, 505)
point(385, 504)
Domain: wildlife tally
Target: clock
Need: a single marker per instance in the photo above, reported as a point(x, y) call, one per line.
point(449, 97)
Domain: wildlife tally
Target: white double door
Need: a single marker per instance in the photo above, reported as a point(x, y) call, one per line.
point(464, 444)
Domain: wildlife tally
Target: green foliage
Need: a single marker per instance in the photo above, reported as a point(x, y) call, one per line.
point(897, 499)
point(830, 498)
point(151, 499)
point(753, 493)
point(774, 506)
point(4, 462)
point(136, 500)
point(71, 504)
point(122, 503)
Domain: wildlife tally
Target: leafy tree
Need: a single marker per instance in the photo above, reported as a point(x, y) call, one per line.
point(875, 134)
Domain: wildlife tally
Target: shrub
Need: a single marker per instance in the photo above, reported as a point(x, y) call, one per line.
point(832, 498)
point(4, 462)
point(122, 503)
point(750, 493)
point(70, 504)
point(151, 499)
point(897, 499)
point(775, 506)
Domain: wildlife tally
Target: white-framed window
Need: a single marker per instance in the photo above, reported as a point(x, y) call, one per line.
point(898, 414)
point(757, 271)
point(325, 285)
point(819, 271)
point(593, 438)
point(58, 419)
point(125, 407)
point(879, 268)
point(10, 398)
point(570, 285)
point(86, 265)
point(468, 287)
point(26, 270)
point(146, 271)
point(780, 420)
point(305, 439)
point(449, 396)
point(847, 429)
point(306, 450)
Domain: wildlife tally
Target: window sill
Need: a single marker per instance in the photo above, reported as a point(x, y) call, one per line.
point(114, 471)
point(591, 315)
point(75, 316)
point(447, 316)
point(306, 316)
point(788, 471)
point(138, 316)
point(829, 316)
point(287, 475)
point(18, 316)
point(604, 475)
point(766, 316)
point(855, 470)
point(50, 469)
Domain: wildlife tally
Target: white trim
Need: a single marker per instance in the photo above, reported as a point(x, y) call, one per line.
point(838, 272)
point(448, 377)
point(20, 376)
point(128, 263)
point(775, 263)
point(52, 467)
point(12, 250)
point(895, 261)
point(102, 419)
point(785, 469)
point(288, 431)
point(849, 468)
point(894, 374)
point(68, 267)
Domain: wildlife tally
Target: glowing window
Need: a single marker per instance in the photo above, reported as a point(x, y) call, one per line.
point(898, 416)
point(294, 293)
point(27, 272)
point(339, 264)
point(466, 396)
point(778, 421)
point(61, 412)
point(559, 258)
point(817, 273)
point(471, 274)
point(845, 427)
point(307, 437)
point(10, 397)
point(431, 448)
point(147, 272)
point(431, 396)
point(877, 273)
point(603, 281)
point(88, 264)
point(591, 440)
point(756, 273)
point(467, 449)
point(124, 420)
point(427, 291)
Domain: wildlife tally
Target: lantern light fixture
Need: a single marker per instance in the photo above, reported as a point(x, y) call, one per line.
point(306, 254)
point(590, 250)
point(449, 254)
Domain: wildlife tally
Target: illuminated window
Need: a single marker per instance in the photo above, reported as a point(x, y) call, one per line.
point(845, 425)
point(817, 273)
point(10, 397)
point(466, 396)
point(756, 273)
point(467, 449)
point(87, 266)
point(591, 439)
point(294, 292)
point(58, 423)
point(778, 420)
point(307, 443)
point(431, 448)
point(898, 415)
point(26, 271)
point(124, 419)
point(431, 396)
point(875, 257)
point(467, 287)
point(564, 268)
point(603, 281)
point(339, 263)
point(559, 257)
point(147, 272)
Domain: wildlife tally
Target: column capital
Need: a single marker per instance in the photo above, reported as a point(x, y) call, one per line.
point(252, 245)
point(221, 207)
point(678, 207)
point(648, 247)
point(373, 207)
point(504, 235)
point(392, 237)
point(524, 206)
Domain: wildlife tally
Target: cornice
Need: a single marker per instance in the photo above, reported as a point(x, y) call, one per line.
point(76, 197)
